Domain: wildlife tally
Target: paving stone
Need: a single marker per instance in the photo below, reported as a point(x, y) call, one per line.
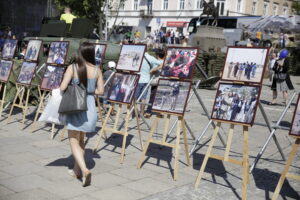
point(5, 191)
point(35, 194)
point(133, 173)
point(19, 158)
point(107, 180)
point(22, 169)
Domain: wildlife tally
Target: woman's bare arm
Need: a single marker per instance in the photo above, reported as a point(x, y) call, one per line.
point(67, 78)
point(100, 84)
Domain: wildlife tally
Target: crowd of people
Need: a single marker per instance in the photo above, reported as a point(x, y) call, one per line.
point(246, 69)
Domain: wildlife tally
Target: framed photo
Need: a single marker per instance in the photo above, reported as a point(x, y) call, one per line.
point(9, 49)
point(27, 73)
point(131, 57)
point(52, 77)
point(179, 62)
point(123, 88)
point(58, 52)
point(295, 126)
point(236, 103)
point(99, 53)
point(33, 49)
point(245, 64)
point(5, 70)
point(171, 96)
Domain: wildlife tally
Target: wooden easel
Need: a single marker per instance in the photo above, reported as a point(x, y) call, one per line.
point(124, 133)
point(244, 163)
point(285, 173)
point(2, 101)
point(40, 108)
point(99, 109)
point(22, 94)
point(162, 142)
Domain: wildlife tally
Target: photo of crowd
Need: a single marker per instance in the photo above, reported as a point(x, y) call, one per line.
point(171, 96)
point(245, 64)
point(179, 62)
point(33, 49)
point(131, 57)
point(9, 48)
point(57, 53)
point(99, 53)
point(26, 73)
point(5, 69)
point(123, 88)
point(52, 77)
point(295, 127)
point(236, 103)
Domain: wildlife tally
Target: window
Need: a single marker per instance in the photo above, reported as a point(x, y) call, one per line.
point(275, 9)
point(122, 5)
point(285, 11)
point(198, 4)
point(221, 5)
point(165, 5)
point(253, 7)
point(239, 5)
point(181, 4)
point(135, 4)
point(265, 9)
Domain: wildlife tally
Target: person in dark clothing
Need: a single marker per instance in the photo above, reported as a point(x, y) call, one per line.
point(236, 69)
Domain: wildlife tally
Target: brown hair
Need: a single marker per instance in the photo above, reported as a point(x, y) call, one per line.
point(85, 53)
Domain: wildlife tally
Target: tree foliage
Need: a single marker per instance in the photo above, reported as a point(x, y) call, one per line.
point(296, 7)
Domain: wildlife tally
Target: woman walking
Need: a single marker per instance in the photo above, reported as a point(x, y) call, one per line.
point(83, 71)
point(281, 80)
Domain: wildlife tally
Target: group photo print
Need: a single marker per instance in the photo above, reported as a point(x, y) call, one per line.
point(9, 48)
point(131, 57)
point(52, 77)
point(26, 73)
point(236, 103)
point(179, 62)
point(295, 125)
point(58, 53)
point(33, 49)
point(99, 53)
point(5, 69)
point(245, 64)
point(171, 96)
point(123, 88)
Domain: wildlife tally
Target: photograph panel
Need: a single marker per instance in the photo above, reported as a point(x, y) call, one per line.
point(171, 96)
point(26, 73)
point(52, 77)
point(9, 48)
point(131, 57)
point(236, 103)
point(123, 88)
point(245, 64)
point(58, 53)
point(295, 126)
point(99, 53)
point(5, 69)
point(33, 49)
point(179, 62)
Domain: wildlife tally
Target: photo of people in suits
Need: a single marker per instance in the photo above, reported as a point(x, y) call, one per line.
point(33, 49)
point(57, 53)
point(9, 48)
point(26, 73)
point(52, 77)
point(5, 69)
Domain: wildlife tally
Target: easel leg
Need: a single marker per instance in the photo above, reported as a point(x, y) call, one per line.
point(245, 164)
point(25, 108)
point(18, 95)
point(229, 140)
point(186, 145)
point(286, 169)
point(201, 172)
point(177, 149)
point(62, 135)
point(41, 104)
point(125, 134)
point(99, 110)
point(52, 131)
point(138, 126)
point(3, 98)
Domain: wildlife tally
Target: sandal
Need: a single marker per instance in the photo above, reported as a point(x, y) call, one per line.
point(272, 104)
point(73, 174)
point(86, 179)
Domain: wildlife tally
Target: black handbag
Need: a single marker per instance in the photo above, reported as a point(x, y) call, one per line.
point(73, 99)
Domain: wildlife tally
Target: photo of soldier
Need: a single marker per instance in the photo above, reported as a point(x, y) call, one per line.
point(9, 48)
point(52, 77)
point(5, 69)
point(33, 49)
point(99, 53)
point(57, 53)
point(27, 73)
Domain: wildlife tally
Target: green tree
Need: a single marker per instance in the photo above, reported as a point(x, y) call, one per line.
point(296, 7)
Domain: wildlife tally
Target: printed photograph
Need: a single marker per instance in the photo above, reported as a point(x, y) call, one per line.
point(26, 73)
point(131, 57)
point(236, 103)
point(245, 64)
point(5, 69)
point(295, 126)
point(9, 48)
point(99, 53)
point(179, 62)
point(123, 88)
point(52, 77)
point(33, 49)
point(58, 53)
point(171, 96)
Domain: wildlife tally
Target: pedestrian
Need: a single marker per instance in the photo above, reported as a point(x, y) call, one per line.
point(236, 69)
point(83, 71)
point(281, 80)
point(230, 69)
point(271, 65)
point(172, 36)
point(176, 34)
point(68, 17)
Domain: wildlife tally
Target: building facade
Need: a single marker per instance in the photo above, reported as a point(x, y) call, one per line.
point(151, 15)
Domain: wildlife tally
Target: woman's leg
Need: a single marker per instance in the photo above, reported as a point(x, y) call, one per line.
point(274, 96)
point(285, 97)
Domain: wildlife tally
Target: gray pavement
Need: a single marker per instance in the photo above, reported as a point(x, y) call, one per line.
point(32, 166)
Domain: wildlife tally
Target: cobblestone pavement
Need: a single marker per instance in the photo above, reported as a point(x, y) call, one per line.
point(32, 166)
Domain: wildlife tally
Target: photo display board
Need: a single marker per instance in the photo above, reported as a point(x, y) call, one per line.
point(179, 62)
point(171, 96)
point(245, 64)
point(236, 103)
point(33, 50)
point(123, 88)
point(52, 77)
point(27, 73)
point(131, 57)
point(5, 70)
point(9, 49)
point(99, 53)
point(58, 53)
point(295, 125)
